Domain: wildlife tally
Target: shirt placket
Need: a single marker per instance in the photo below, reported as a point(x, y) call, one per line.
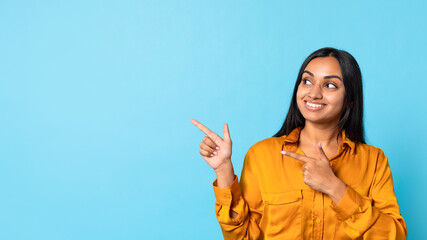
point(317, 217)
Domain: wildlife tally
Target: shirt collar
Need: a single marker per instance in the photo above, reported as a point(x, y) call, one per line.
point(293, 138)
point(347, 141)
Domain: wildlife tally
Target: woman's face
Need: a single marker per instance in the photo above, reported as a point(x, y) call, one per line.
point(321, 92)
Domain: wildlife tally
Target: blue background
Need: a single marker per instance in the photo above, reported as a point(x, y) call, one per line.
point(96, 99)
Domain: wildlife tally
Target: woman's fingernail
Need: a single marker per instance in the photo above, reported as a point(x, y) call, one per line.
point(212, 155)
point(320, 145)
point(215, 153)
point(217, 148)
point(283, 152)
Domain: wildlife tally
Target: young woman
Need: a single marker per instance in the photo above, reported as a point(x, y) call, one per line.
point(316, 178)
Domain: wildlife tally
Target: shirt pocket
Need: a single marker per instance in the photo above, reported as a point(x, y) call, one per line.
point(282, 215)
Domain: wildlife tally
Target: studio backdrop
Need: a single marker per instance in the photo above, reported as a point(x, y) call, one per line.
point(96, 99)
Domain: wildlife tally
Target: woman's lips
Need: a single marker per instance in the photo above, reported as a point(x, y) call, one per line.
point(313, 106)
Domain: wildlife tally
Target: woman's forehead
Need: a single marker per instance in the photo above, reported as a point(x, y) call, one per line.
point(323, 66)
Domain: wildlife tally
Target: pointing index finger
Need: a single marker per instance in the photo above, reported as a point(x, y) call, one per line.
point(204, 129)
point(297, 156)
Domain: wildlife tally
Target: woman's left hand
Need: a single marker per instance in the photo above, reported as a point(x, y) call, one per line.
point(318, 174)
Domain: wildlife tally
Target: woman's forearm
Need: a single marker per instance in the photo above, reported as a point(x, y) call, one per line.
point(225, 174)
point(337, 191)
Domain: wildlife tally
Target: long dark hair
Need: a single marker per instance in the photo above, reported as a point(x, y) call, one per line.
point(352, 118)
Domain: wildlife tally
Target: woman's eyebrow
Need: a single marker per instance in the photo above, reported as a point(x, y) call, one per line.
point(309, 73)
point(333, 76)
point(325, 77)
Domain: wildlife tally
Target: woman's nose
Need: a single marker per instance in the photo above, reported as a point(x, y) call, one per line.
point(316, 92)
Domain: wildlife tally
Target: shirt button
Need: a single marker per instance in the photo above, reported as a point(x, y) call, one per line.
point(317, 220)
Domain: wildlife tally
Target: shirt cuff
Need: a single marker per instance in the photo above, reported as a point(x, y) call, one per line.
point(348, 205)
point(226, 196)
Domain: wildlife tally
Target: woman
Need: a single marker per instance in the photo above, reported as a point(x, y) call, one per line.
point(316, 178)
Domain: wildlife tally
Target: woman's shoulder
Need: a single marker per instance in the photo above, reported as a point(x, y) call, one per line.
point(371, 150)
point(268, 144)
point(369, 147)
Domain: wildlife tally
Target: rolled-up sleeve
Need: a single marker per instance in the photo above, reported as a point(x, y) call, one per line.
point(376, 216)
point(248, 206)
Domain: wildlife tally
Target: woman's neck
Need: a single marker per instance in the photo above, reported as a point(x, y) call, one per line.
point(328, 135)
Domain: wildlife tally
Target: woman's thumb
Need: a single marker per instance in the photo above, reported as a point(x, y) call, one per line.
point(226, 132)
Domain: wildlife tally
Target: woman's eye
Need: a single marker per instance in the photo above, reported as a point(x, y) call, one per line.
point(306, 82)
point(330, 85)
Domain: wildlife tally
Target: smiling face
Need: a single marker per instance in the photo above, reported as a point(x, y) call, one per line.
point(321, 93)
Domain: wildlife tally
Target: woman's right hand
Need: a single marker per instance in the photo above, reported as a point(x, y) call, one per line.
point(217, 153)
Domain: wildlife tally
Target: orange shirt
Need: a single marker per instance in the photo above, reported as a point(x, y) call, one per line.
point(273, 202)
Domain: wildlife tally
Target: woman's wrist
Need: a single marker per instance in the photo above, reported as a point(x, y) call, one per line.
point(337, 191)
point(225, 174)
